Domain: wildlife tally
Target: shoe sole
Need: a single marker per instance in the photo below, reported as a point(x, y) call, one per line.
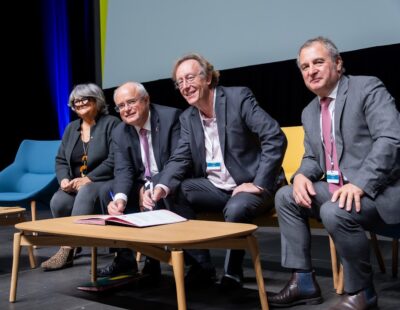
point(310, 301)
point(117, 274)
point(67, 265)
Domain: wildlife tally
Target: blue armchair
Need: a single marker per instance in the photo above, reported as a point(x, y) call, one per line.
point(30, 175)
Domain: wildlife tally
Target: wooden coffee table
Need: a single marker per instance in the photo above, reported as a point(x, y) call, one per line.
point(12, 215)
point(164, 243)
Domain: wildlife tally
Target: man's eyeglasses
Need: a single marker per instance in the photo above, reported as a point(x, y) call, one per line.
point(79, 102)
point(129, 103)
point(189, 79)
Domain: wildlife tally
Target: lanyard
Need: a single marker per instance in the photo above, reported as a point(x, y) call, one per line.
point(332, 140)
point(212, 120)
point(330, 154)
point(209, 138)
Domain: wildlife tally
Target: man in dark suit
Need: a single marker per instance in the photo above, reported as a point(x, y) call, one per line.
point(349, 177)
point(142, 144)
point(233, 150)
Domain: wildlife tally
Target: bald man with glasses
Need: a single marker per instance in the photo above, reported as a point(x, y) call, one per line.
point(142, 144)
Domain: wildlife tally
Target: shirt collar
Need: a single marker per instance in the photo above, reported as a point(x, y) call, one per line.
point(147, 124)
point(333, 93)
point(205, 118)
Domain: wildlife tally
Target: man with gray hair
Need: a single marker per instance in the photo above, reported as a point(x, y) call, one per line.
point(349, 177)
point(142, 144)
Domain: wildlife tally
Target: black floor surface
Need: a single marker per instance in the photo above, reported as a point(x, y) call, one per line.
point(58, 289)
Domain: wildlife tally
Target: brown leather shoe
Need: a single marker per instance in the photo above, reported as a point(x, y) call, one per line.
point(302, 288)
point(365, 299)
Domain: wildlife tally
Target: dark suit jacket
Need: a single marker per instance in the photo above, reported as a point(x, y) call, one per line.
point(367, 133)
point(252, 142)
point(100, 169)
point(126, 146)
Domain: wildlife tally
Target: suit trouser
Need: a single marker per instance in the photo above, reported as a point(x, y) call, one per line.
point(81, 203)
point(201, 195)
point(347, 230)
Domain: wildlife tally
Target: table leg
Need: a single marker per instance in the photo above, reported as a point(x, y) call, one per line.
point(340, 283)
point(255, 255)
point(32, 260)
point(15, 266)
point(177, 265)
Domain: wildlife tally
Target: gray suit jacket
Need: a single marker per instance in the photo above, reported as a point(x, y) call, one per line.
point(100, 168)
point(367, 133)
point(252, 142)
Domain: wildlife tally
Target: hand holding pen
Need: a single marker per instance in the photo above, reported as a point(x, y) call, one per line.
point(147, 191)
point(115, 207)
point(151, 197)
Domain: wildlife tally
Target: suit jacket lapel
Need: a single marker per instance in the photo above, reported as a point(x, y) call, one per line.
point(316, 132)
point(75, 137)
point(220, 114)
point(133, 136)
point(155, 137)
point(339, 106)
point(198, 135)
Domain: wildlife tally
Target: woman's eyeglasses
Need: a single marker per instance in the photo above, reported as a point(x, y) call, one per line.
point(81, 102)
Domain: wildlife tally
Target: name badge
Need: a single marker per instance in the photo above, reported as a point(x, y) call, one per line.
point(213, 166)
point(332, 176)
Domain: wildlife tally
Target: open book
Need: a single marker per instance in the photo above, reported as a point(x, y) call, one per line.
point(140, 219)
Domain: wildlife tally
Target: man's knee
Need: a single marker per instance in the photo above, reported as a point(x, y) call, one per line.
point(233, 212)
point(330, 215)
point(242, 208)
point(282, 196)
point(185, 185)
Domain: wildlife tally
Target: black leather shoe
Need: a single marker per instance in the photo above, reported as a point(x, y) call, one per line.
point(77, 251)
point(152, 269)
point(294, 294)
point(118, 266)
point(198, 277)
point(365, 299)
point(230, 282)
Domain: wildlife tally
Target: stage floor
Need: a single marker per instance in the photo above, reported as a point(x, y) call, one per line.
point(57, 289)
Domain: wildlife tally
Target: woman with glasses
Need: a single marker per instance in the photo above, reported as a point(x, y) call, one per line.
point(82, 163)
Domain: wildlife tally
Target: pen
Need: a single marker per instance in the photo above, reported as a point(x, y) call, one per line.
point(111, 195)
point(151, 188)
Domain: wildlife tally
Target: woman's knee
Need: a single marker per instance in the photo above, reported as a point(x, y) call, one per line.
point(61, 204)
